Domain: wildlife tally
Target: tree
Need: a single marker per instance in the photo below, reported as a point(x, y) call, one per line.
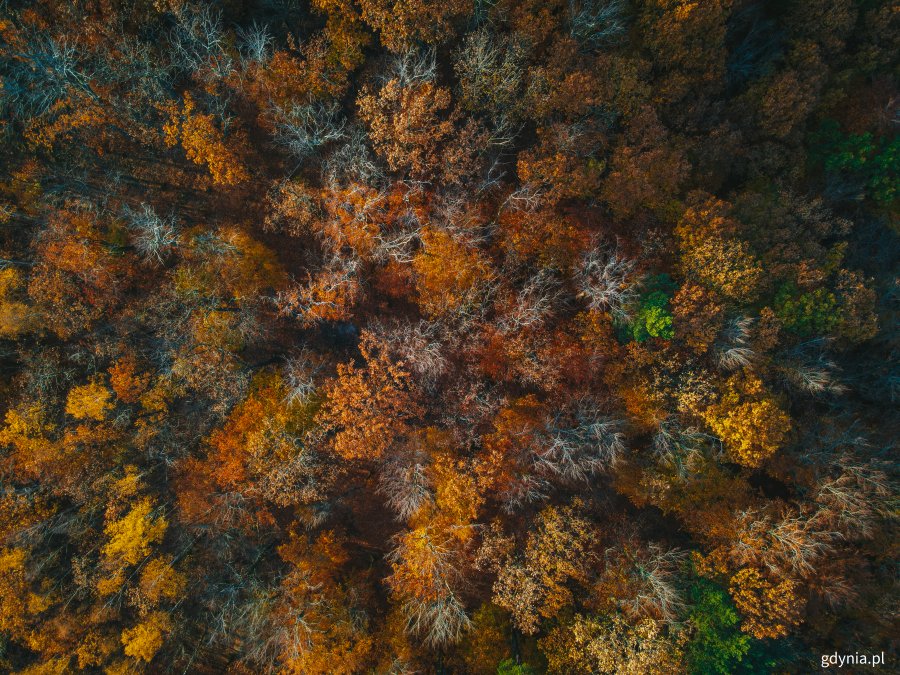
point(647, 169)
point(716, 646)
point(558, 553)
point(713, 254)
point(319, 623)
point(699, 315)
point(642, 581)
point(259, 452)
point(126, 379)
point(562, 166)
point(16, 315)
point(345, 32)
point(329, 296)
point(425, 576)
point(19, 605)
point(78, 275)
point(368, 409)
point(89, 401)
point(607, 280)
point(491, 72)
point(689, 39)
point(611, 645)
point(204, 143)
point(409, 118)
point(503, 468)
point(653, 320)
point(552, 239)
point(748, 420)
point(401, 23)
point(768, 608)
point(160, 582)
point(145, 639)
point(131, 537)
point(451, 275)
point(485, 647)
point(33, 438)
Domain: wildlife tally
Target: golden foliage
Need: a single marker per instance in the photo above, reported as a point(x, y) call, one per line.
point(769, 609)
point(748, 420)
point(592, 645)
point(131, 538)
point(559, 551)
point(204, 143)
point(161, 581)
point(451, 276)
point(16, 316)
point(712, 253)
point(144, 640)
point(89, 401)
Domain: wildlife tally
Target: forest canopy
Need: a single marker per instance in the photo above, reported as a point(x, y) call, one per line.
point(460, 336)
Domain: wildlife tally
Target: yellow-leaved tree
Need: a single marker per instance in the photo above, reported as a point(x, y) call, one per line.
point(90, 401)
point(204, 143)
point(748, 420)
point(144, 640)
point(132, 536)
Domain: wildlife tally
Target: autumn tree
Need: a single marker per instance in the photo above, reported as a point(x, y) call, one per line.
point(713, 252)
point(204, 143)
point(368, 409)
point(611, 645)
point(401, 24)
point(412, 124)
point(451, 275)
point(769, 608)
point(748, 420)
point(557, 557)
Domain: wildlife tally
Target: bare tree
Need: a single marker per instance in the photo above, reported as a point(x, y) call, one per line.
point(534, 303)
point(405, 484)
point(300, 371)
point(153, 236)
point(808, 368)
point(413, 66)
point(42, 72)
point(732, 349)
point(528, 196)
point(351, 160)
point(596, 22)
point(418, 345)
point(441, 621)
point(491, 72)
point(328, 295)
point(607, 280)
point(580, 443)
point(255, 44)
point(198, 43)
point(426, 568)
point(853, 501)
point(304, 130)
point(682, 449)
point(788, 545)
point(657, 572)
point(527, 488)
